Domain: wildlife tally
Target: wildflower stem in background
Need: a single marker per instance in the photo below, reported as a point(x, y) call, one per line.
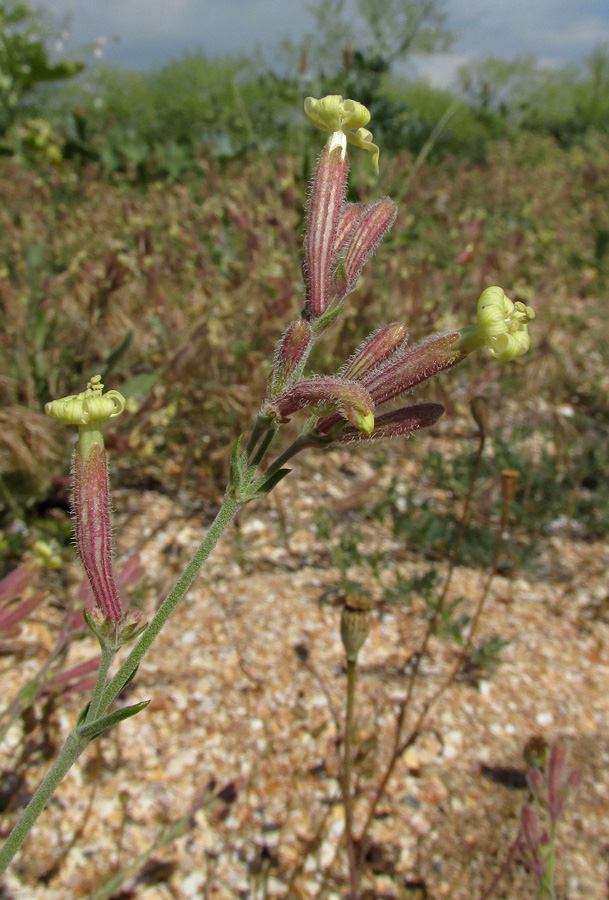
point(355, 624)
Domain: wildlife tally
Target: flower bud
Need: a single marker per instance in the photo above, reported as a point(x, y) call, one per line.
point(325, 206)
point(349, 218)
point(91, 505)
point(290, 355)
point(373, 225)
point(397, 423)
point(323, 395)
point(377, 348)
point(412, 367)
point(530, 829)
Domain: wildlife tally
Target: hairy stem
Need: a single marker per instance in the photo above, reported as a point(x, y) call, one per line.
point(104, 695)
point(224, 517)
point(68, 755)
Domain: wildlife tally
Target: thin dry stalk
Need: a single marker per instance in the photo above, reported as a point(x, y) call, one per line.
point(398, 747)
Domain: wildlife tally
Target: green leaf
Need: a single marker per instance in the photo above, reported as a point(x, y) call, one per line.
point(236, 465)
point(264, 485)
point(96, 728)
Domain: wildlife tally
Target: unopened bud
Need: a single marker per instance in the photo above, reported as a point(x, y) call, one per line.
point(397, 423)
point(290, 355)
point(349, 218)
point(327, 196)
point(375, 350)
point(412, 367)
point(530, 829)
point(323, 395)
point(374, 223)
point(91, 504)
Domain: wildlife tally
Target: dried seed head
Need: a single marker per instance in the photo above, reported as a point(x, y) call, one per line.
point(479, 408)
point(509, 478)
point(355, 625)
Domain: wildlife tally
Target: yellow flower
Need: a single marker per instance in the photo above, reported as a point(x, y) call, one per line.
point(90, 406)
point(347, 117)
point(501, 326)
point(88, 410)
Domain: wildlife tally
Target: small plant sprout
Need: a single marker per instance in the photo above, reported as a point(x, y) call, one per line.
point(343, 407)
point(551, 783)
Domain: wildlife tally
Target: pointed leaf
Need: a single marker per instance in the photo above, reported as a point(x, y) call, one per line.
point(265, 485)
point(236, 466)
point(96, 728)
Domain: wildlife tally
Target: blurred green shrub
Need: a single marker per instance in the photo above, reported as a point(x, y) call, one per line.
point(24, 60)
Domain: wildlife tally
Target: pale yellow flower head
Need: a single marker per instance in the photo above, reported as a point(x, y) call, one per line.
point(90, 406)
point(501, 326)
point(347, 117)
point(89, 410)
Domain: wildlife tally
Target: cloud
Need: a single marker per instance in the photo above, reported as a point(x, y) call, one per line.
point(557, 30)
point(151, 32)
point(439, 69)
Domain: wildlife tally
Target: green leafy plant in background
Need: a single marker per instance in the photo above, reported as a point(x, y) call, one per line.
point(25, 64)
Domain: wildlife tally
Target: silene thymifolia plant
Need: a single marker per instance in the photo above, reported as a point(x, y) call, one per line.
point(347, 407)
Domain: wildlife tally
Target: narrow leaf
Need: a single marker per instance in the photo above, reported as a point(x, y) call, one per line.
point(96, 728)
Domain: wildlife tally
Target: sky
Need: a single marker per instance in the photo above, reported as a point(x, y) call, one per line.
point(148, 33)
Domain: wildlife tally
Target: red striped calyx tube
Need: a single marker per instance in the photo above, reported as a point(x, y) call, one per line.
point(90, 491)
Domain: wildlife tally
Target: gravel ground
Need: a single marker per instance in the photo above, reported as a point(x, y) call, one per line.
point(226, 785)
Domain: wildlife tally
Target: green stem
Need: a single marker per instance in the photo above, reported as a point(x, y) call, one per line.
point(299, 444)
point(107, 655)
point(70, 752)
point(104, 695)
point(261, 451)
point(224, 517)
point(347, 796)
point(258, 430)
